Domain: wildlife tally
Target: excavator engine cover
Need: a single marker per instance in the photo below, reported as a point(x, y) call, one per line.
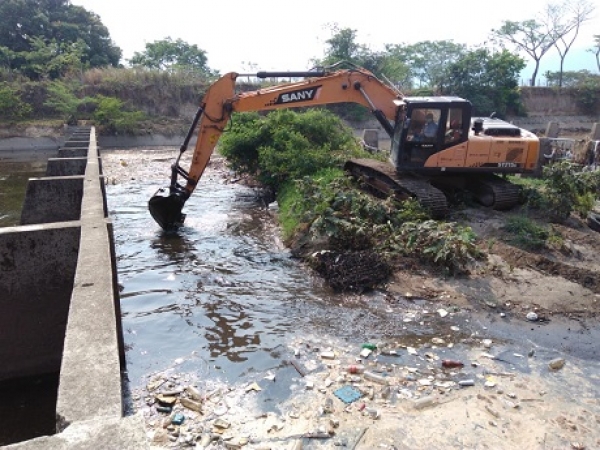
point(166, 209)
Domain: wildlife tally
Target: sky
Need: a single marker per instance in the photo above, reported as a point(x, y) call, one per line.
point(248, 36)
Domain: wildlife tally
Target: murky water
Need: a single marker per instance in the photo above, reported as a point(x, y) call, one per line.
point(223, 293)
point(13, 183)
point(224, 300)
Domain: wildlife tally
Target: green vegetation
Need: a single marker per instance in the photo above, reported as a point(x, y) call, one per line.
point(11, 105)
point(525, 233)
point(301, 155)
point(489, 80)
point(286, 145)
point(62, 98)
point(172, 54)
point(564, 188)
point(111, 116)
point(42, 41)
point(51, 39)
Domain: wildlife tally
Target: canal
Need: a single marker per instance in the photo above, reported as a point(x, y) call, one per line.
point(223, 306)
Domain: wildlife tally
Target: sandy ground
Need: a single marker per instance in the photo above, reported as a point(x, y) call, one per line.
point(517, 401)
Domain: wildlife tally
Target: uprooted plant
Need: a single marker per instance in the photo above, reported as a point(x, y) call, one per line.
point(300, 156)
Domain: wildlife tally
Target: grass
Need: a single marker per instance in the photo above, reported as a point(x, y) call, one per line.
point(525, 233)
point(294, 207)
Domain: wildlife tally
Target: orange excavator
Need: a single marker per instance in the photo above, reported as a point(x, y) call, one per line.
point(436, 146)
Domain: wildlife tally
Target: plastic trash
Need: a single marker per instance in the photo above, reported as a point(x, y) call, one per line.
point(451, 364)
point(375, 377)
point(355, 368)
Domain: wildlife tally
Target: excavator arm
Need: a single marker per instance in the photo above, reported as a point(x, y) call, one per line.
point(221, 101)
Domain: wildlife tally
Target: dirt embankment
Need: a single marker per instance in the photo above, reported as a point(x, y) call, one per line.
point(552, 281)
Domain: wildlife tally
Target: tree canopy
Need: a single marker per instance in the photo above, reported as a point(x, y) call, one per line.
point(488, 79)
point(35, 33)
point(171, 54)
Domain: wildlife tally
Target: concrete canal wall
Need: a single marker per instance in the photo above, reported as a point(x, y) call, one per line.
point(59, 308)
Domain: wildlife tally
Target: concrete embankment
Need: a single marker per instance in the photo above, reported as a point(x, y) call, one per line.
point(59, 311)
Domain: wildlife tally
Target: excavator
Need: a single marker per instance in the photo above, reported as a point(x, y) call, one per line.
point(437, 147)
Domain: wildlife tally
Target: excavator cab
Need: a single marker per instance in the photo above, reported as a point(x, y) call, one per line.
point(430, 125)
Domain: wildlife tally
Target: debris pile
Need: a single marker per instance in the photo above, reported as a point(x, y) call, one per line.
point(338, 395)
point(351, 271)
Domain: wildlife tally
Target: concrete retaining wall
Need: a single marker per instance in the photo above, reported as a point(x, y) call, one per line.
point(59, 308)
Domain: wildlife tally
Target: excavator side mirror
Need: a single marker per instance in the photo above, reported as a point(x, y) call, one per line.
point(477, 126)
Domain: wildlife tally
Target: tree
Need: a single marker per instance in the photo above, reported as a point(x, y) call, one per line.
point(568, 78)
point(29, 25)
point(51, 60)
point(488, 79)
point(427, 60)
point(596, 50)
point(564, 21)
point(169, 54)
point(529, 36)
point(11, 105)
point(343, 47)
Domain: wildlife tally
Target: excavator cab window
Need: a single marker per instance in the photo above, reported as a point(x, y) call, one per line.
point(432, 124)
point(454, 126)
point(422, 135)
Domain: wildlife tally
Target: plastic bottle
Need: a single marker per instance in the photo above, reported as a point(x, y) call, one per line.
point(355, 368)
point(374, 377)
point(424, 402)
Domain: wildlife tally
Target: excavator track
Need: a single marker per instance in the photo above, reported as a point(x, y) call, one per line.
point(494, 191)
point(384, 179)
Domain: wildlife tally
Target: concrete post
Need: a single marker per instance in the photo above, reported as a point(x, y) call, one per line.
point(595, 134)
point(37, 268)
point(552, 130)
point(61, 167)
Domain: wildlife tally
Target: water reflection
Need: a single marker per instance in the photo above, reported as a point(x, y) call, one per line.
point(175, 246)
point(222, 288)
point(230, 336)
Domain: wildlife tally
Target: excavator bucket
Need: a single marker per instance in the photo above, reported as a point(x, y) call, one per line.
point(166, 209)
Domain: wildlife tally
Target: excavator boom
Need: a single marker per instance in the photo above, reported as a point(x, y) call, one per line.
point(437, 146)
point(220, 101)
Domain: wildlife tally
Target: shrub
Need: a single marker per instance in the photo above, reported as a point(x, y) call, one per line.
point(111, 116)
point(63, 99)
point(446, 244)
point(563, 189)
point(11, 105)
point(287, 145)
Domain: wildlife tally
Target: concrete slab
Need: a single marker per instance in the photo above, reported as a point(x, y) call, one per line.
point(105, 433)
point(60, 167)
point(90, 378)
point(52, 199)
point(37, 268)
